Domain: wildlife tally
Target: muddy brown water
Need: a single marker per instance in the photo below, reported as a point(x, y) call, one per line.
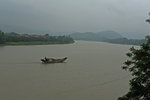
point(91, 72)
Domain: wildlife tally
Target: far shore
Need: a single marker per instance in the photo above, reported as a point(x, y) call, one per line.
point(31, 43)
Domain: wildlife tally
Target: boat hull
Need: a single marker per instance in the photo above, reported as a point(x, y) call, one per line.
point(52, 60)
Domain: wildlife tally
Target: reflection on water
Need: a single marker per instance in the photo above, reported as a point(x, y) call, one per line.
point(92, 72)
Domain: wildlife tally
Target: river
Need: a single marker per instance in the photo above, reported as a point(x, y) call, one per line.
point(91, 72)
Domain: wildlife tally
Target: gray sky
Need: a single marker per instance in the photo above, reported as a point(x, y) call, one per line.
point(124, 16)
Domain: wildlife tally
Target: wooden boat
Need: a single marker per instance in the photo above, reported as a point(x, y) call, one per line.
point(52, 60)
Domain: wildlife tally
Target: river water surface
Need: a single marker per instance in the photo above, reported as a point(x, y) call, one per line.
point(92, 72)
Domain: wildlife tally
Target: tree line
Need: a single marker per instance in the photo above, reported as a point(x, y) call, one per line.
point(15, 37)
point(126, 41)
point(138, 64)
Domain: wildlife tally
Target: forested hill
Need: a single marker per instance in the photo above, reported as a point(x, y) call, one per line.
point(16, 39)
point(109, 34)
point(99, 36)
point(106, 36)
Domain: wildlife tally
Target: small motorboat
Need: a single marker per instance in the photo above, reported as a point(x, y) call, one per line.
point(53, 60)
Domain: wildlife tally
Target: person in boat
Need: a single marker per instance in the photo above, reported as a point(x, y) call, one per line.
point(49, 59)
point(46, 59)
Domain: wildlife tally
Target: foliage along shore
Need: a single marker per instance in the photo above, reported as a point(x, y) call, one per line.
point(106, 36)
point(27, 39)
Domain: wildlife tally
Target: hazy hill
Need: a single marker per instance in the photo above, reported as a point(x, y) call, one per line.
point(99, 36)
point(86, 36)
point(109, 34)
point(135, 36)
point(106, 36)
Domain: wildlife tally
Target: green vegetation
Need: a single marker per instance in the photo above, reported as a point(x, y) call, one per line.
point(26, 39)
point(1, 37)
point(106, 36)
point(148, 20)
point(139, 66)
point(126, 41)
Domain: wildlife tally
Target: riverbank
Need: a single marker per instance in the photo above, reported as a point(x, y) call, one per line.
point(32, 39)
point(33, 43)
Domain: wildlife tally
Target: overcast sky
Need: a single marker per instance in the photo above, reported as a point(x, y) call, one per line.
point(124, 16)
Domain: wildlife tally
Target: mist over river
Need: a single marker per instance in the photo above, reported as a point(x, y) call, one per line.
point(91, 72)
